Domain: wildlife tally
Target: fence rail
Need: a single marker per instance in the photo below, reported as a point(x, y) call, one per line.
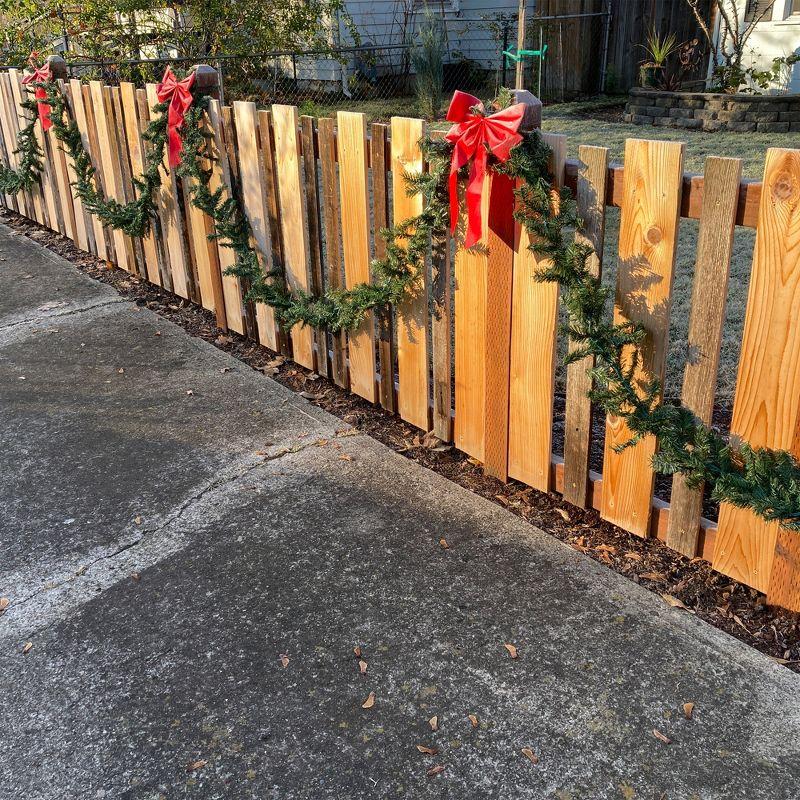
point(476, 364)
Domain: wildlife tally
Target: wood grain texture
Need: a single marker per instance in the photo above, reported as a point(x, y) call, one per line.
point(533, 354)
point(132, 129)
point(354, 197)
point(709, 295)
point(9, 135)
point(766, 410)
point(171, 220)
point(111, 183)
point(412, 312)
point(441, 321)
point(61, 179)
point(470, 337)
point(293, 223)
point(308, 136)
point(267, 140)
point(331, 220)
point(251, 177)
point(647, 246)
point(379, 163)
point(590, 197)
point(221, 179)
point(17, 119)
point(103, 238)
point(94, 229)
point(82, 223)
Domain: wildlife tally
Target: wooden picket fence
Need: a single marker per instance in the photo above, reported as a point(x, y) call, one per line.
point(475, 364)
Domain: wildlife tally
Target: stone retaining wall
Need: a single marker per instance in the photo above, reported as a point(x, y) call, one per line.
point(714, 112)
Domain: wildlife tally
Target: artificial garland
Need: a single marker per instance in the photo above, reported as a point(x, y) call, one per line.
point(28, 173)
point(765, 481)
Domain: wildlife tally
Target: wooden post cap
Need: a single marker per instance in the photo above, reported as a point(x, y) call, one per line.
point(533, 111)
point(58, 67)
point(206, 80)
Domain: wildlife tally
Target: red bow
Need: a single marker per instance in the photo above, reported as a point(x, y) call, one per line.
point(41, 75)
point(475, 135)
point(180, 99)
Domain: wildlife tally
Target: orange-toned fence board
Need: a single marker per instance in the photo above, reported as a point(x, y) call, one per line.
point(766, 410)
point(221, 178)
point(412, 313)
point(251, 175)
point(709, 293)
point(171, 221)
point(354, 194)
point(590, 197)
point(83, 225)
point(470, 338)
point(647, 246)
point(9, 133)
point(285, 126)
point(533, 353)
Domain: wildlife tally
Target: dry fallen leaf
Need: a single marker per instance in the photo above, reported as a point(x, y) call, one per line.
point(661, 737)
point(357, 651)
point(27, 648)
point(284, 660)
point(121, 370)
point(345, 457)
point(674, 602)
point(564, 514)
point(193, 766)
point(136, 576)
point(428, 751)
point(530, 755)
point(189, 392)
point(688, 708)
point(443, 543)
point(653, 576)
point(370, 701)
point(4, 603)
point(362, 665)
point(633, 556)
point(434, 723)
point(473, 719)
point(512, 651)
point(137, 520)
point(435, 770)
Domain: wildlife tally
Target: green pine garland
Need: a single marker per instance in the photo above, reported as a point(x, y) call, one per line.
point(765, 481)
point(28, 174)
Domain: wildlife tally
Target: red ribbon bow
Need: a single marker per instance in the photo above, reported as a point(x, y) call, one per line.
point(475, 135)
point(179, 95)
point(40, 75)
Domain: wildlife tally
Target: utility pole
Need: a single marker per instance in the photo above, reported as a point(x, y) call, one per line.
point(520, 81)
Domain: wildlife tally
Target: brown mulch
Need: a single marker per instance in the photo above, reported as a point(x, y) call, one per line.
point(684, 583)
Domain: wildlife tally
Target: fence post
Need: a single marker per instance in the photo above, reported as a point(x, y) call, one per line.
point(503, 56)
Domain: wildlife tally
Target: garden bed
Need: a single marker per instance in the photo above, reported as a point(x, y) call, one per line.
point(709, 111)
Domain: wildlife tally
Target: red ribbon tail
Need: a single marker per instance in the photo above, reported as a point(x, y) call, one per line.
point(477, 172)
point(175, 146)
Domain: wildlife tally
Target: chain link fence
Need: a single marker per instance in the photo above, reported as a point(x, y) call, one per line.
point(406, 67)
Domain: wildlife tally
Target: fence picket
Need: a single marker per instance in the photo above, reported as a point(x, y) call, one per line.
point(591, 200)
point(470, 337)
point(331, 217)
point(252, 184)
point(9, 137)
point(647, 246)
point(175, 256)
point(105, 242)
point(379, 157)
point(82, 224)
point(221, 178)
point(354, 198)
point(412, 312)
point(766, 410)
point(533, 354)
point(293, 224)
point(709, 293)
point(308, 135)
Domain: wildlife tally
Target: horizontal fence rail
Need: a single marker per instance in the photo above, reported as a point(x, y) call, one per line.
point(473, 359)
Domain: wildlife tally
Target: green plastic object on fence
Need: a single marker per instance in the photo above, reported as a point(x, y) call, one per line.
point(515, 55)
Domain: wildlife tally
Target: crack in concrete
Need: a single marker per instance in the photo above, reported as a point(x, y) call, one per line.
point(215, 484)
point(67, 313)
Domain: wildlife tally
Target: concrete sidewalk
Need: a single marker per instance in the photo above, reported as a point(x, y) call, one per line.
point(173, 523)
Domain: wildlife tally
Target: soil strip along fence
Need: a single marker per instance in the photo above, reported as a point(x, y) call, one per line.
point(317, 193)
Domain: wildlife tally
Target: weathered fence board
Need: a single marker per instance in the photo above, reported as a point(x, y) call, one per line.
point(295, 233)
point(83, 232)
point(251, 175)
point(766, 411)
point(354, 199)
point(331, 218)
point(412, 313)
point(590, 197)
point(647, 246)
point(533, 354)
point(709, 294)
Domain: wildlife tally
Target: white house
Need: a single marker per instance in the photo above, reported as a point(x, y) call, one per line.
point(777, 34)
